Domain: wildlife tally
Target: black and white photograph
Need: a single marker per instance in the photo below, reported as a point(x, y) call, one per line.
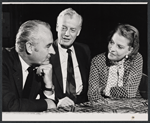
point(74, 61)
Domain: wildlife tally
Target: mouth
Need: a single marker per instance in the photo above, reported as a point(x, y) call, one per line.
point(66, 39)
point(112, 54)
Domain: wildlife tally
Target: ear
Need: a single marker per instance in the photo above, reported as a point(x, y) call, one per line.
point(130, 50)
point(79, 31)
point(57, 27)
point(29, 47)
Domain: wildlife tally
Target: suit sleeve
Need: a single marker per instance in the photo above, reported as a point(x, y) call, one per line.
point(88, 53)
point(87, 58)
point(10, 99)
point(130, 87)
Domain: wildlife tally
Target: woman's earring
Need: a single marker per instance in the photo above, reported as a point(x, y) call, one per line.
point(126, 56)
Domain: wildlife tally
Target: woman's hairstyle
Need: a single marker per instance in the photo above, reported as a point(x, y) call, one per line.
point(129, 32)
point(70, 12)
point(28, 32)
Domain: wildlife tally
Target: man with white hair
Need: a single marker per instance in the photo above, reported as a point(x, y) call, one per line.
point(71, 62)
point(27, 72)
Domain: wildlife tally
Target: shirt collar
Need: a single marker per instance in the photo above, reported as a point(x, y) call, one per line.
point(23, 63)
point(65, 50)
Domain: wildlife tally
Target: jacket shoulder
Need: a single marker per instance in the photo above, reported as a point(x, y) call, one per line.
point(9, 55)
point(82, 45)
point(98, 57)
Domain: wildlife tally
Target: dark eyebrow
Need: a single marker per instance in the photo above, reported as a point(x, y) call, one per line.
point(121, 45)
point(64, 26)
point(48, 45)
point(73, 28)
point(112, 39)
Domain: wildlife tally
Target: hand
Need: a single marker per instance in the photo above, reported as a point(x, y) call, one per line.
point(64, 102)
point(46, 72)
point(109, 86)
point(50, 104)
point(113, 84)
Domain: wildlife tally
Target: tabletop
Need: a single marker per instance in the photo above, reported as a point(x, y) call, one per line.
point(134, 105)
point(134, 109)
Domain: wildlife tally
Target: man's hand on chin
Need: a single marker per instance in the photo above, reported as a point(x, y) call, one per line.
point(46, 72)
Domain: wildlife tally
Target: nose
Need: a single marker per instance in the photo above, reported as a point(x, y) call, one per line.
point(112, 48)
point(51, 50)
point(67, 33)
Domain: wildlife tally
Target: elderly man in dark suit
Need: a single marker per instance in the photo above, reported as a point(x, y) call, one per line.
point(71, 62)
point(27, 73)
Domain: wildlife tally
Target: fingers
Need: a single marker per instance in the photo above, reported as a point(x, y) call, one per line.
point(44, 69)
point(65, 102)
point(46, 72)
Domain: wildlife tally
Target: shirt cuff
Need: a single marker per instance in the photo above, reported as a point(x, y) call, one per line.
point(51, 96)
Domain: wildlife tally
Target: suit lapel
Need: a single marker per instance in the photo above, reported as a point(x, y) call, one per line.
point(55, 60)
point(81, 62)
point(17, 74)
point(18, 77)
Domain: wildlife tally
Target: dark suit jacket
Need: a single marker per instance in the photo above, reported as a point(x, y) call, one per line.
point(12, 86)
point(83, 58)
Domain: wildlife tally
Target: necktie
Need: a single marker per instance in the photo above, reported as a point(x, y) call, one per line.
point(28, 83)
point(70, 85)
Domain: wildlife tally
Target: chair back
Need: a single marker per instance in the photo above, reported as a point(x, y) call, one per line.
point(143, 87)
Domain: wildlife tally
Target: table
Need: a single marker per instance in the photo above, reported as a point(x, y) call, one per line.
point(134, 105)
point(135, 109)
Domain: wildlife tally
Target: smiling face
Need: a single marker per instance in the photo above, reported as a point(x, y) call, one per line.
point(68, 29)
point(118, 47)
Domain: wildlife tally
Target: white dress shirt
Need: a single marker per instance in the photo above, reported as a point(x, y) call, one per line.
point(63, 61)
point(25, 74)
point(24, 70)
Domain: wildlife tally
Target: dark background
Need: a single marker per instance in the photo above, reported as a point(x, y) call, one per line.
point(98, 21)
